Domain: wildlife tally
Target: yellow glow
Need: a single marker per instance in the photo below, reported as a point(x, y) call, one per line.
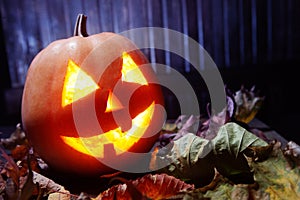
point(122, 140)
point(131, 72)
point(113, 103)
point(77, 84)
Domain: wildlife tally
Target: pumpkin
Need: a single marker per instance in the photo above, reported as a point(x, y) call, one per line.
point(88, 98)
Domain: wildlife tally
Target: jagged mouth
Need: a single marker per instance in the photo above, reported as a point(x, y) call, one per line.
point(122, 140)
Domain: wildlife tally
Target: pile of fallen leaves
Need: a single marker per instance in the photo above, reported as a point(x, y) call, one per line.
point(194, 158)
point(235, 164)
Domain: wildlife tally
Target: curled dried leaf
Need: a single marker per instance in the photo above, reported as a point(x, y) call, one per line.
point(28, 186)
point(259, 153)
point(10, 168)
point(11, 190)
point(18, 137)
point(19, 152)
point(293, 149)
point(49, 185)
point(292, 152)
point(194, 158)
point(248, 103)
point(61, 194)
point(83, 196)
point(188, 158)
point(158, 186)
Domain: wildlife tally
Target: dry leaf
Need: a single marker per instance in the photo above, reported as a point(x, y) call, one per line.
point(154, 187)
point(11, 169)
point(248, 103)
point(193, 159)
point(61, 194)
point(28, 187)
point(18, 137)
point(45, 183)
point(188, 158)
point(292, 152)
point(273, 181)
point(83, 196)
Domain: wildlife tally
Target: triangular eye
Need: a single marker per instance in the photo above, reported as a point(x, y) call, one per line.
point(113, 103)
point(77, 84)
point(131, 72)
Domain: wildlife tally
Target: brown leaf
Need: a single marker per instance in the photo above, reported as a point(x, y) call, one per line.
point(18, 137)
point(292, 152)
point(11, 168)
point(62, 194)
point(28, 188)
point(49, 185)
point(248, 103)
point(83, 196)
point(111, 175)
point(158, 186)
point(19, 152)
point(259, 153)
point(11, 190)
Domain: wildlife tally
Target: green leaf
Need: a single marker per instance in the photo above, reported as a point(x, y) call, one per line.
point(273, 179)
point(193, 158)
point(228, 147)
point(234, 139)
point(188, 158)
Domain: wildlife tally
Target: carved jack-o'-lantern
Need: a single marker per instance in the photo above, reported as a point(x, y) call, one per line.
point(89, 97)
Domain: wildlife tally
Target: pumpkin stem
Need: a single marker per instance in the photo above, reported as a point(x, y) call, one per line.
point(80, 26)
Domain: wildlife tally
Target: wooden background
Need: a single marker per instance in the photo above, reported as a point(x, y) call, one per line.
point(253, 42)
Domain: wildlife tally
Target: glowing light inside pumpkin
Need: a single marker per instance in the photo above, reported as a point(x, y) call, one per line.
point(131, 72)
point(122, 141)
point(113, 103)
point(77, 84)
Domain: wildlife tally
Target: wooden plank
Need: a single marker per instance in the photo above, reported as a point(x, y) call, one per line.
point(262, 32)
point(157, 21)
point(152, 56)
point(72, 9)
point(200, 33)
point(5, 81)
point(279, 30)
point(16, 46)
point(254, 31)
point(69, 23)
point(295, 30)
point(185, 29)
point(233, 32)
point(106, 16)
point(120, 15)
point(247, 23)
point(166, 36)
point(217, 32)
point(208, 27)
point(269, 30)
point(192, 18)
point(289, 26)
point(137, 17)
point(6, 23)
point(92, 12)
point(43, 23)
point(57, 19)
point(30, 30)
point(174, 14)
point(226, 33)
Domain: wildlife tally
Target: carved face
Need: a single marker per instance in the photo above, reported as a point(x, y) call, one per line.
point(82, 103)
point(79, 84)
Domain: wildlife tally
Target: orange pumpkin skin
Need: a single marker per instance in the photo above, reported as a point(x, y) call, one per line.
point(45, 120)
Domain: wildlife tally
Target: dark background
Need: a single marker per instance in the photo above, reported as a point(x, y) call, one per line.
point(253, 42)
